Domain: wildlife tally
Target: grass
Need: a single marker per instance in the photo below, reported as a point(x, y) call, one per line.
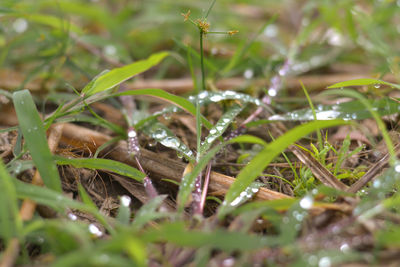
point(250, 138)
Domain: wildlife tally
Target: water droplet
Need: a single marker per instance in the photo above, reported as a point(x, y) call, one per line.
point(306, 202)
point(228, 262)
point(219, 128)
point(345, 248)
point(271, 31)
point(216, 98)
point(213, 131)
point(225, 120)
point(132, 134)
point(397, 168)
point(93, 229)
point(377, 86)
point(125, 201)
point(324, 262)
point(152, 143)
point(248, 74)
point(110, 50)
point(272, 92)
point(214, 51)
point(72, 217)
point(20, 25)
point(376, 184)
point(179, 154)
point(35, 128)
point(203, 95)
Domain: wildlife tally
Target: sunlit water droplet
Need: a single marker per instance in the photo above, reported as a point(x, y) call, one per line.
point(125, 201)
point(72, 217)
point(213, 131)
point(20, 25)
point(272, 92)
point(377, 86)
point(397, 168)
point(93, 229)
point(345, 248)
point(306, 202)
point(324, 262)
point(271, 31)
point(132, 134)
point(248, 74)
point(216, 98)
point(110, 50)
point(219, 128)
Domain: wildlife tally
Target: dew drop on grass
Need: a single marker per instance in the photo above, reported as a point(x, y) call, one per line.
point(306, 202)
point(219, 128)
point(213, 131)
point(272, 92)
point(132, 134)
point(125, 201)
point(72, 217)
point(324, 262)
point(93, 229)
point(377, 86)
point(20, 25)
point(248, 74)
point(397, 167)
point(345, 247)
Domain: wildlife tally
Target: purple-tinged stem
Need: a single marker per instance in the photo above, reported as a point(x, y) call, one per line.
point(205, 188)
point(196, 195)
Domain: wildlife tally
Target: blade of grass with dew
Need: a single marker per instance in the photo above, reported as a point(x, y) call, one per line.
point(361, 82)
point(174, 99)
point(85, 197)
point(178, 234)
point(207, 97)
point(10, 221)
point(352, 110)
point(320, 142)
point(187, 183)
point(102, 164)
point(35, 137)
point(166, 137)
point(249, 173)
point(375, 115)
point(55, 200)
point(124, 211)
point(245, 138)
point(119, 75)
point(219, 128)
point(148, 212)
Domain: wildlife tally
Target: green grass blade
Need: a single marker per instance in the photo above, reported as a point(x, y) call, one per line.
point(119, 75)
point(102, 164)
point(174, 99)
point(35, 137)
point(166, 137)
point(361, 82)
point(176, 233)
point(10, 222)
point(249, 173)
point(187, 183)
point(219, 128)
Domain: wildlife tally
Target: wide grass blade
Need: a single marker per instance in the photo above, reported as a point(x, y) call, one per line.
point(249, 173)
point(10, 222)
point(361, 82)
point(352, 110)
point(102, 164)
point(166, 137)
point(219, 128)
point(176, 233)
point(35, 138)
point(119, 75)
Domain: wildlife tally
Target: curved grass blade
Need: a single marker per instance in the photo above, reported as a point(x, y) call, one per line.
point(119, 75)
point(10, 221)
point(148, 212)
point(207, 97)
point(177, 233)
point(352, 110)
point(102, 164)
point(174, 99)
point(219, 128)
point(249, 173)
point(361, 82)
point(166, 137)
point(375, 114)
point(35, 137)
point(188, 181)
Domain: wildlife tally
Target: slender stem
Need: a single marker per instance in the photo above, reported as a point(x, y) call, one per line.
point(205, 188)
point(203, 78)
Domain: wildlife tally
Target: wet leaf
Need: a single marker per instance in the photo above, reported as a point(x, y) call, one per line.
point(361, 82)
point(166, 137)
point(219, 128)
point(249, 173)
point(102, 164)
point(352, 110)
point(207, 97)
point(119, 75)
point(35, 137)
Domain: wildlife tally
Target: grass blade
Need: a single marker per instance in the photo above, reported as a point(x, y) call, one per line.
point(249, 173)
point(102, 164)
point(119, 75)
point(360, 82)
point(35, 137)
